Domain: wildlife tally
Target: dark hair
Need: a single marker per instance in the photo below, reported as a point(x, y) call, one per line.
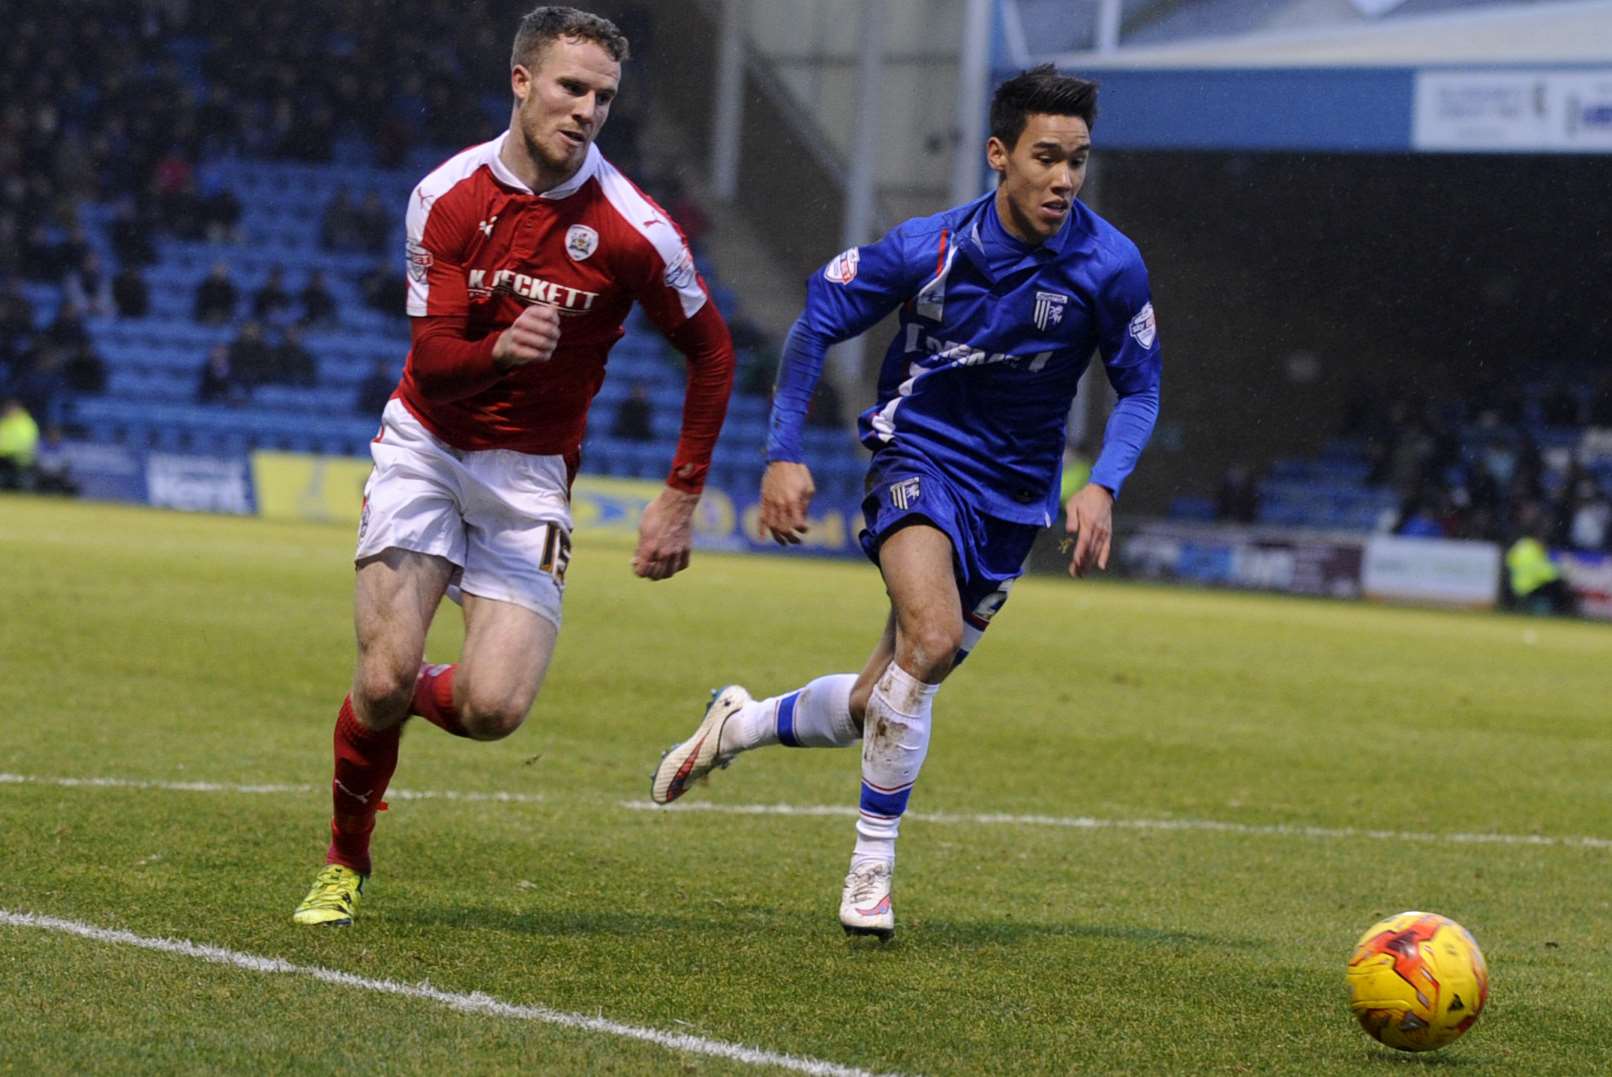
point(1040, 90)
point(542, 25)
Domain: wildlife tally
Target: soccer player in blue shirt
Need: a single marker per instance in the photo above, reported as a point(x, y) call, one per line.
point(1003, 301)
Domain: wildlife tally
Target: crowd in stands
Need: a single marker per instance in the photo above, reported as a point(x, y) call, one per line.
point(1480, 459)
point(1488, 462)
point(123, 104)
point(112, 125)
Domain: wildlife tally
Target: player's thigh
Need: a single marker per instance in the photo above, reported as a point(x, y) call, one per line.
point(395, 596)
point(919, 574)
point(506, 656)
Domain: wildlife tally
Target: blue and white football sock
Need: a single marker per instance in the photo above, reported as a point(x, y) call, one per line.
point(895, 741)
point(816, 716)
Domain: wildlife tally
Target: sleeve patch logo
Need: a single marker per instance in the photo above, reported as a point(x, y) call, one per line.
point(842, 270)
point(580, 241)
point(680, 273)
point(419, 260)
point(1144, 329)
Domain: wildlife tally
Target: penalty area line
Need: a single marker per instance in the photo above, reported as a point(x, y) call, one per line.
point(473, 1002)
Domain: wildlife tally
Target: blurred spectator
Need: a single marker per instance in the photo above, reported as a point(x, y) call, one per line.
point(53, 473)
point(67, 330)
point(219, 211)
point(43, 259)
point(1590, 516)
point(251, 360)
point(181, 211)
point(16, 320)
point(383, 289)
point(88, 286)
point(1418, 520)
point(635, 416)
point(376, 388)
point(1536, 583)
point(293, 362)
point(19, 446)
point(338, 228)
point(216, 296)
point(373, 224)
point(131, 293)
point(218, 384)
point(84, 371)
point(131, 230)
point(318, 305)
point(272, 300)
point(1238, 497)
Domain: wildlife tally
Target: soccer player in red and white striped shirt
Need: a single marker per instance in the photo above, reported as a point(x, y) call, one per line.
point(525, 255)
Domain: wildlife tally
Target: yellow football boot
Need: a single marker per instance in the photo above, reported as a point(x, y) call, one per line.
point(333, 899)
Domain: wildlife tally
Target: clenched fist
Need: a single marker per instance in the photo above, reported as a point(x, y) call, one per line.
point(531, 339)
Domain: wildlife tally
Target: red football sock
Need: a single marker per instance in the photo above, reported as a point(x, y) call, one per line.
point(433, 699)
point(365, 760)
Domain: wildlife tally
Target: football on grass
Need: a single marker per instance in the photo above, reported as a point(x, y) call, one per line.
point(1417, 981)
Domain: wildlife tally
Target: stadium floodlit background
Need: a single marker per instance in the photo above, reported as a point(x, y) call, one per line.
point(1156, 815)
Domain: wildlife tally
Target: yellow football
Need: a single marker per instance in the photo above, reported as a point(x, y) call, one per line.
point(1417, 981)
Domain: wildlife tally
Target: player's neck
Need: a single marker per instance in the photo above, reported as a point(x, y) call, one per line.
point(1011, 224)
point(527, 168)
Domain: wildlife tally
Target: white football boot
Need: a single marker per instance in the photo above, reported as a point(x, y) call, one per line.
point(865, 907)
point(688, 762)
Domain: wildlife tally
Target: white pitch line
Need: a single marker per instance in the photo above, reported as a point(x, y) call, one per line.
point(1083, 822)
point(1065, 822)
point(475, 1002)
point(226, 787)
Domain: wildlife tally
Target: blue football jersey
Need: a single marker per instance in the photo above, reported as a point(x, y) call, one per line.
point(982, 373)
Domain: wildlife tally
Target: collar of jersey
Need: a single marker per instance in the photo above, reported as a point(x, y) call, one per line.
point(974, 248)
point(501, 172)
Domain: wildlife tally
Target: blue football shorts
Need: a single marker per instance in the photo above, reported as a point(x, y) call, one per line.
point(988, 553)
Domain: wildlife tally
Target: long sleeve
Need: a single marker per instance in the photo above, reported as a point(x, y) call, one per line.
point(1128, 341)
point(446, 365)
point(848, 296)
point(706, 344)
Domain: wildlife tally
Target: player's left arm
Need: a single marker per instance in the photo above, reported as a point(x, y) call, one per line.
point(1127, 338)
point(675, 297)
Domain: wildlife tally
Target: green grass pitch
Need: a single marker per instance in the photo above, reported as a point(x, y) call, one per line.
point(163, 648)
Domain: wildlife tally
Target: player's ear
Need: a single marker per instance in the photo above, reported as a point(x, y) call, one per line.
point(520, 83)
point(996, 154)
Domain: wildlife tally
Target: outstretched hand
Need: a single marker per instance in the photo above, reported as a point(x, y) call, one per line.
point(786, 495)
point(1089, 517)
point(665, 535)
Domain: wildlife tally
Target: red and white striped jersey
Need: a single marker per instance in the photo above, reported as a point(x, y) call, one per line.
point(482, 246)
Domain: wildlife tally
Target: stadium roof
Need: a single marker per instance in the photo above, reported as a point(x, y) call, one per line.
point(1579, 31)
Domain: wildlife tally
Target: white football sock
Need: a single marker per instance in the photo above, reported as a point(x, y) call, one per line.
point(816, 716)
point(895, 741)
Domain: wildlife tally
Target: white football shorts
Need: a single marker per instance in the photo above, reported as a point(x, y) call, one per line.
point(502, 517)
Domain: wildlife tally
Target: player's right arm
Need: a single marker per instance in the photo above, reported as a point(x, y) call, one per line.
point(847, 297)
point(449, 361)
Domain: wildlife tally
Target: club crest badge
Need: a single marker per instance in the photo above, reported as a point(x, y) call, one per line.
point(580, 241)
point(1144, 329)
point(904, 494)
point(1049, 309)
